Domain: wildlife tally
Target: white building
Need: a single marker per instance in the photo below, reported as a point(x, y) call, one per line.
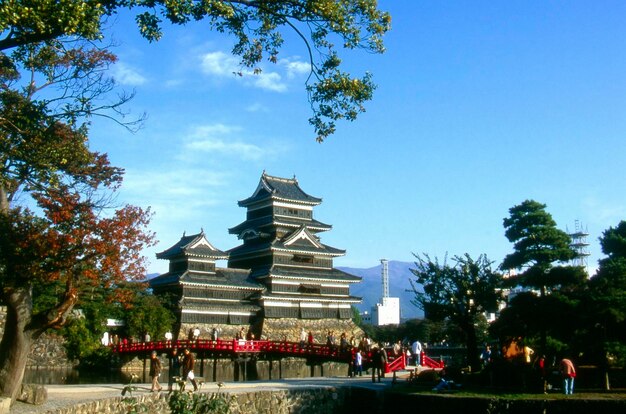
point(386, 313)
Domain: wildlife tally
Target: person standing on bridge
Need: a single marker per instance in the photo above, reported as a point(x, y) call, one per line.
point(155, 371)
point(174, 370)
point(416, 350)
point(188, 363)
point(303, 337)
point(215, 333)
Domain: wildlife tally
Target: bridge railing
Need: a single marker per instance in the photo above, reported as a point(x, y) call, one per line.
point(431, 363)
point(234, 346)
point(395, 363)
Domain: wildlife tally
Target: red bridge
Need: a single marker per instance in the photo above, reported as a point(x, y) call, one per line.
point(269, 349)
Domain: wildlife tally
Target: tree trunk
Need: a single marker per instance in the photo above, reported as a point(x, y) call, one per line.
point(16, 341)
point(472, 347)
point(4, 201)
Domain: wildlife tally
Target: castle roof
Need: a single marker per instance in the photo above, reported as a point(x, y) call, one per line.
point(193, 245)
point(278, 245)
point(272, 221)
point(194, 304)
point(225, 278)
point(305, 274)
point(277, 188)
point(310, 298)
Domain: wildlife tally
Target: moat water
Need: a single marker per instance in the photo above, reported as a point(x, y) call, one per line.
point(227, 371)
point(74, 376)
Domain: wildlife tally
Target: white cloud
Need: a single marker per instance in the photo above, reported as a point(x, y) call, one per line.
point(295, 67)
point(164, 186)
point(218, 138)
point(257, 107)
point(270, 81)
point(219, 64)
point(177, 194)
point(205, 131)
point(125, 75)
point(222, 65)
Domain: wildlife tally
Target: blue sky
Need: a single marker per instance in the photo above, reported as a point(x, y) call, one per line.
point(479, 106)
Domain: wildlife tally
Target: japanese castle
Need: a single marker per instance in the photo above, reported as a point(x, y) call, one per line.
point(279, 281)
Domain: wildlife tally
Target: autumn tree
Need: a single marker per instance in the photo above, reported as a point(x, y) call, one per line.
point(256, 27)
point(460, 293)
point(59, 234)
point(538, 265)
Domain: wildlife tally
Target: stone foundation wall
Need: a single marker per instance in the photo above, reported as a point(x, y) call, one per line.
point(278, 329)
point(153, 403)
point(312, 401)
point(47, 351)
point(346, 400)
point(289, 328)
point(225, 331)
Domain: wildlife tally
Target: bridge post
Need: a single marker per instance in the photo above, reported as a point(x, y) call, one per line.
point(215, 369)
point(144, 368)
point(202, 365)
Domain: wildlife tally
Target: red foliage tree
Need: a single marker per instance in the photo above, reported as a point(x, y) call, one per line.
point(57, 225)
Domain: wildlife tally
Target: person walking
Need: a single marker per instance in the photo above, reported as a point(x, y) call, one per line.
point(358, 363)
point(174, 370)
point(155, 371)
point(383, 361)
point(568, 372)
point(188, 363)
point(485, 356)
point(377, 364)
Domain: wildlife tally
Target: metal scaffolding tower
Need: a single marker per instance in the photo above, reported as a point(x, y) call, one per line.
point(579, 244)
point(385, 276)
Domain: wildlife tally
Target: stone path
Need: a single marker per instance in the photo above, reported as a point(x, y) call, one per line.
point(62, 396)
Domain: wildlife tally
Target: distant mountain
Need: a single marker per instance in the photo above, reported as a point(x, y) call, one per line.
point(151, 276)
point(371, 287)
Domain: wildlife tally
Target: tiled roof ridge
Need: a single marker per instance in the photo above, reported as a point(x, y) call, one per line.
point(293, 180)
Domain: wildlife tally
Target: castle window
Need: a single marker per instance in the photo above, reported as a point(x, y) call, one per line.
point(310, 289)
point(299, 258)
point(202, 266)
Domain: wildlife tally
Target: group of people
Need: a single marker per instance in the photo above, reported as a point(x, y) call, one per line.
point(516, 350)
point(177, 362)
point(378, 358)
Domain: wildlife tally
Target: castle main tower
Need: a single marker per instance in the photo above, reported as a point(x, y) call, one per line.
point(283, 251)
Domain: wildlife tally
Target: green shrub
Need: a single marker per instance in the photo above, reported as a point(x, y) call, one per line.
point(194, 403)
